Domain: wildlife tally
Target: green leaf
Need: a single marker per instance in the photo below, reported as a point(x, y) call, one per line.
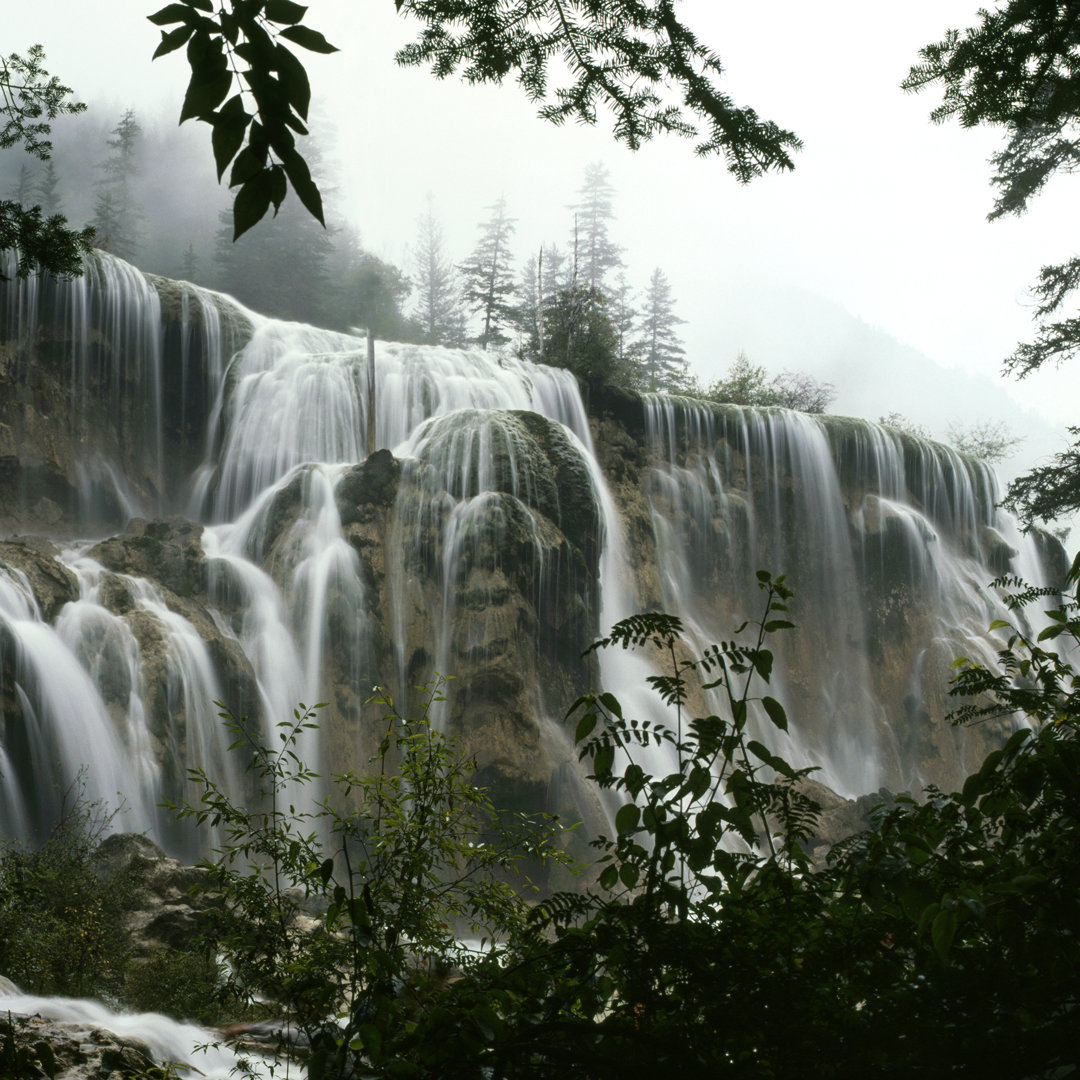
point(300, 178)
point(628, 875)
point(308, 39)
point(942, 932)
point(776, 712)
point(603, 759)
point(585, 727)
point(762, 660)
point(612, 704)
point(228, 135)
point(294, 80)
point(608, 877)
point(778, 624)
point(249, 162)
point(284, 11)
point(626, 820)
point(205, 93)
point(251, 203)
point(173, 40)
point(172, 13)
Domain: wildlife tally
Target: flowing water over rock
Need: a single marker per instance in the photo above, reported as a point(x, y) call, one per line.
point(254, 554)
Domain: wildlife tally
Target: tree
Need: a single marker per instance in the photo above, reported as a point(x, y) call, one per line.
point(48, 189)
point(634, 59)
point(375, 290)
point(991, 441)
point(488, 280)
point(624, 317)
point(117, 215)
point(595, 254)
point(579, 334)
point(661, 351)
point(413, 857)
point(438, 295)
point(1017, 68)
point(797, 390)
point(27, 95)
point(899, 422)
point(744, 383)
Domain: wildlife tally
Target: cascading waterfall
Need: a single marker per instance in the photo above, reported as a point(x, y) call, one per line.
point(484, 540)
point(868, 525)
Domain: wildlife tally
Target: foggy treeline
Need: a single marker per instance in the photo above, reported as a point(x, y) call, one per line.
point(149, 191)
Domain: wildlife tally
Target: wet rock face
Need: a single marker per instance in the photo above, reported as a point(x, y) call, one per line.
point(167, 552)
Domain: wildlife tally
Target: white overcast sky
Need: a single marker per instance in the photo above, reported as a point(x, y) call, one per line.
point(883, 219)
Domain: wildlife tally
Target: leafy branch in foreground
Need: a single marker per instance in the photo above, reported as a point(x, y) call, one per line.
point(1019, 68)
point(351, 916)
point(244, 48)
point(27, 95)
point(633, 58)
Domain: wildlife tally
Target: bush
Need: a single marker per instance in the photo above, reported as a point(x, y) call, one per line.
point(60, 924)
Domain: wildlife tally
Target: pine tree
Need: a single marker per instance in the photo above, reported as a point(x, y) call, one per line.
point(189, 265)
point(661, 350)
point(595, 252)
point(438, 296)
point(624, 318)
point(488, 277)
point(47, 191)
point(117, 216)
point(526, 312)
point(23, 188)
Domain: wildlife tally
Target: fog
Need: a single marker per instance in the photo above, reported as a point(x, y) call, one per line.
point(871, 265)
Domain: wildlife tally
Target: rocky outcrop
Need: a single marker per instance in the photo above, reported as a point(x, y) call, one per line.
point(109, 381)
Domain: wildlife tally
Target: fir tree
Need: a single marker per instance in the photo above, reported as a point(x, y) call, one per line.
point(595, 252)
point(47, 191)
point(661, 350)
point(189, 265)
point(624, 318)
point(526, 312)
point(117, 216)
point(488, 278)
point(438, 296)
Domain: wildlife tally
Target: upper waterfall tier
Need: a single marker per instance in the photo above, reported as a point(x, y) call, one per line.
point(263, 558)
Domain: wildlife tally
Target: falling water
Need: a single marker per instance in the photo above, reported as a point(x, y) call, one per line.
point(492, 546)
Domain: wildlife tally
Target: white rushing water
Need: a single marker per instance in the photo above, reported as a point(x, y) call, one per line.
point(193, 1050)
point(125, 688)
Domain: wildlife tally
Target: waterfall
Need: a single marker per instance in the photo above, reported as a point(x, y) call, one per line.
point(497, 531)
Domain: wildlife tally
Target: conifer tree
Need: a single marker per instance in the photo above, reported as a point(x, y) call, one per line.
point(438, 295)
point(661, 350)
point(596, 254)
point(624, 318)
point(189, 265)
point(117, 216)
point(47, 191)
point(526, 312)
point(488, 277)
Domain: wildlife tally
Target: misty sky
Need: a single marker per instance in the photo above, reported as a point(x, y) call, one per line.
point(881, 226)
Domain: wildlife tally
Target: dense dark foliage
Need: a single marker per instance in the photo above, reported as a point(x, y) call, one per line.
point(1019, 68)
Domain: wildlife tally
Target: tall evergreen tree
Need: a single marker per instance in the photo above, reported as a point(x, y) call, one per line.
point(624, 318)
point(661, 350)
point(189, 264)
point(47, 191)
point(595, 253)
point(278, 269)
point(488, 278)
point(526, 312)
point(117, 216)
point(438, 296)
point(24, 186)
